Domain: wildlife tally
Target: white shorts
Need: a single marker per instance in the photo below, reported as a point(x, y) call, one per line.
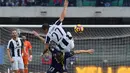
point(17, 64)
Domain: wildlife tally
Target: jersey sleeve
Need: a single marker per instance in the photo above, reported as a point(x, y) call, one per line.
point(47, 39)
point(9, 45)
point(58, 22)
point(69, 54)
point(29, 45)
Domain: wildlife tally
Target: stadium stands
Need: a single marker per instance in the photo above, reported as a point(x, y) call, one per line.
point(105, 3)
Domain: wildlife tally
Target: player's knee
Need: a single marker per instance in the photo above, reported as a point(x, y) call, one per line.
point(64, 72)
point(21, 70)
point(15, 71)
point(26, 66)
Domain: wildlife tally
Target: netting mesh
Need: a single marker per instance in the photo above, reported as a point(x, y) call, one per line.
point(111, 47)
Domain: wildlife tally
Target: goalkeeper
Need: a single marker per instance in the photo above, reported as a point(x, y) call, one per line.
point(27, 53)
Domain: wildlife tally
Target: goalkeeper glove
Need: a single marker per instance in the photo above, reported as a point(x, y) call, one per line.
point(30, 58)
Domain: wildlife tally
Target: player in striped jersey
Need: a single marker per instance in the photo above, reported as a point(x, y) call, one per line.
point(58, 64)
point(14, 48)
point(57, 34)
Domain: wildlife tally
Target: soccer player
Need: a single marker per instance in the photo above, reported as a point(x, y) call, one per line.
point(57, 65)
point(59, 58)
point(27, 53)
point(57, 34)
point(14, 48)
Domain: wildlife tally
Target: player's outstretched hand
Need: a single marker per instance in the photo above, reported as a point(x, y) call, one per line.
point(35, 33)
point(11, 60)
point(66, 3)
point(90, 51)
point(41, 55)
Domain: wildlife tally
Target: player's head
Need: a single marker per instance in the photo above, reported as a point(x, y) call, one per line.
point(52, 44)
point(24, 38)
point(45, 28)
point(14, 34)
point(47, 54)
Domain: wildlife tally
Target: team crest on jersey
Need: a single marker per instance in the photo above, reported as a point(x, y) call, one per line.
point(18, 47)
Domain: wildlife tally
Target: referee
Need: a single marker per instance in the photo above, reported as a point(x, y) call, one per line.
point(14, 48)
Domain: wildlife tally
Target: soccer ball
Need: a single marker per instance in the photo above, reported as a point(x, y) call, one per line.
point(78, 28)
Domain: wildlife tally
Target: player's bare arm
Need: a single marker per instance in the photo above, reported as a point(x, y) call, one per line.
point(37, 35)
point(30, 49)
point(63, 14)
point(90, 51)
point(24, 51)
point(46, 48)
point(30, 53)
point(8, 54)
point(43, 40)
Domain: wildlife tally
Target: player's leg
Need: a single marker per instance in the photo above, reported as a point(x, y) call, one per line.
point(21, 70)
point(63, 70)
point(15, 66)
point(25, 68)
point(15, 71)
point(25, 60)
point(21, 65)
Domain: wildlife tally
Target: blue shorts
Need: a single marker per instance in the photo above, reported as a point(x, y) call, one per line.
point(54, 70)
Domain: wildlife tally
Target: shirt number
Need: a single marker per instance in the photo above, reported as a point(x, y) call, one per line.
point(51, 69)
point(54, 33)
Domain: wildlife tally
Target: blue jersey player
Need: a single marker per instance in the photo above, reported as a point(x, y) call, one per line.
point(59, 63)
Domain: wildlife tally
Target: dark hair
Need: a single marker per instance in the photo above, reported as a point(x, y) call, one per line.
point(45, 26)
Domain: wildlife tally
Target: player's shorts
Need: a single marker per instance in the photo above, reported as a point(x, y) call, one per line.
point(17, 64)
point(25, 60)
point(54, 70)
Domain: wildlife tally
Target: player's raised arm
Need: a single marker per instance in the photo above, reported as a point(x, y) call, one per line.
point(63, 14)
point(37, 35)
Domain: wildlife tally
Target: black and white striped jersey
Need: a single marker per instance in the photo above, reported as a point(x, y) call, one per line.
point(15, 47)
point(58, 35)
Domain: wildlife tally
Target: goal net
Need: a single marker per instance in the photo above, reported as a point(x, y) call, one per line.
point(111, 47)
